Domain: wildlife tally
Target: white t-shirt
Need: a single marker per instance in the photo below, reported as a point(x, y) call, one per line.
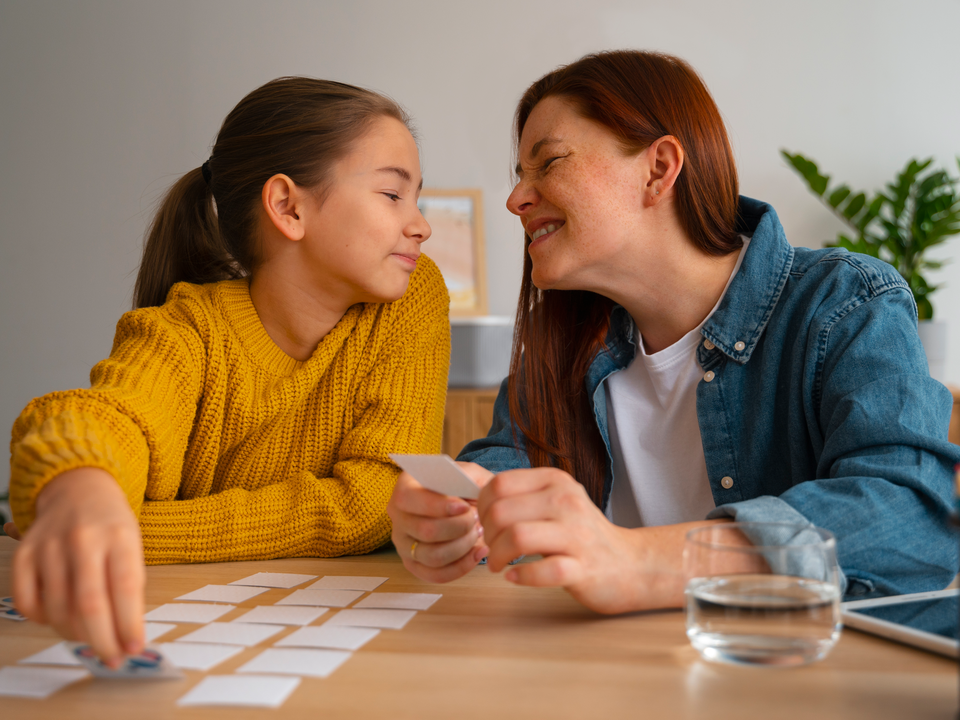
point(659, 471)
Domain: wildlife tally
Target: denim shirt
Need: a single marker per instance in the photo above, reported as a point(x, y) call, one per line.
point(816, 402)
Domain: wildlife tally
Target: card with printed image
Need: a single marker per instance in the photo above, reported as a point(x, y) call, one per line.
point(149, 664)
point(9, 613)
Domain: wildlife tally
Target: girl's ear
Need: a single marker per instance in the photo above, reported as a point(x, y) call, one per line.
point(282, 201)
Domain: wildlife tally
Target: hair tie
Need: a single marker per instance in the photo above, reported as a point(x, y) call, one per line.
point(205, 171)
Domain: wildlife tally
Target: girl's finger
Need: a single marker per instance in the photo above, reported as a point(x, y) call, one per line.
point(126, 578)
point(433, 530)
point(92, 604)
point(54, 589)
point(438, 555)
point(26, 584)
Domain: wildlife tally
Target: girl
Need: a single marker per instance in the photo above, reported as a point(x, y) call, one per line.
point(677, 363)
point(288, 336)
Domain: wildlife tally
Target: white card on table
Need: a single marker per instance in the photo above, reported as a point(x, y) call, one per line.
point(327, 598)
point(223, 593)
point(285, 615)
point(37, 682)
point(198, 656)
point(347, 582)
point(228, 633)
point(148, 664)
point(337, 637)
point(274, 580)
point(388, 619)
point(244, 690)
point(288, 661)
point(153, 630)
point(399, 601)
point(188, 612)
point(438, 473)
point(59, 654)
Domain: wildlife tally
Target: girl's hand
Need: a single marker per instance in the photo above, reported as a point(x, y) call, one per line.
point(80, 565)
point(544, 511)
point(438, 537)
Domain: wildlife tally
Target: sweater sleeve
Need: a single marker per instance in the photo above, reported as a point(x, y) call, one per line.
point(139, 407)
point(398, 408)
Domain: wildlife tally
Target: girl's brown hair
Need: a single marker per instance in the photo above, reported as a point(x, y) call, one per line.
point(205, 228)
point(639, 97)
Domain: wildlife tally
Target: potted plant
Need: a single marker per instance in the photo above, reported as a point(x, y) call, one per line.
point(918, 210)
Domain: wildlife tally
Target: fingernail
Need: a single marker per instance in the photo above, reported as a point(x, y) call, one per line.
point(479, 530)
point(511, 575)
point(457, 507)
point(132, 648)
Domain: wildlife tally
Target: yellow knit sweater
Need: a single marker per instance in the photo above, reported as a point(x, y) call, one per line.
point(229, 449)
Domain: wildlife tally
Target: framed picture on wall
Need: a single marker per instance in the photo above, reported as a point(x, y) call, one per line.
point(456, 246)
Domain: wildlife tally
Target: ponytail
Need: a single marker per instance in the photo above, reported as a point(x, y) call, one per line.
point(184, 244)
point(206, 227)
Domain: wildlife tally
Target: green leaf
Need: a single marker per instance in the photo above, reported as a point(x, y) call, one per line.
point(838, 195)
point(808, 171)
point(854, 206)
point(924, 309)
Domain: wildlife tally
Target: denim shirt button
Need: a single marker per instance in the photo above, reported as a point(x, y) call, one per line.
point(727, 482)
point(708, 376)
point(739, 346)
point(707, 345)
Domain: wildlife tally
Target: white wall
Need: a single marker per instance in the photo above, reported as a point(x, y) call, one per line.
point(103, 104)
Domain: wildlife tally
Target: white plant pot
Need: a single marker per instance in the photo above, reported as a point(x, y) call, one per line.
point(933, 335)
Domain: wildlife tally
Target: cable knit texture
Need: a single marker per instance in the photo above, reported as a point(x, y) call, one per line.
point(229, 449)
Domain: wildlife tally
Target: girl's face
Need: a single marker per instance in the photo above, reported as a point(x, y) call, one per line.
point(364, 239)
point(579, 198)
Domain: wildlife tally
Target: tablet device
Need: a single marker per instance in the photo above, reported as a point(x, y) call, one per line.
point(925, 620)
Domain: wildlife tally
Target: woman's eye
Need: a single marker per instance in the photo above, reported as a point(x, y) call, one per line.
point(547, 163)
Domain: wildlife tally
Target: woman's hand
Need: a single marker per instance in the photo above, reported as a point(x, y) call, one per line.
point(609, 569)
point(80, 565)
point(438, 537)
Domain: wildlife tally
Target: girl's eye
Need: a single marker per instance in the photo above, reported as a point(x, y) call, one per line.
point(392, 196)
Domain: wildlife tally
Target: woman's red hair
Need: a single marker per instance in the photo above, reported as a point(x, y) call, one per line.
point(639, 97)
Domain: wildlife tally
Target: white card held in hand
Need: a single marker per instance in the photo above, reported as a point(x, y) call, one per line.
point(329, 636)
point(287, 661)
point(244, 690)
point(223, 593)
point(327, 598)
point(198, 656)
point(286, 615)
point(37, 682)
point(438, 473)
point(347, 582)
point(389, 619)
point(187, 612)
point(228, 633)
point(274, 580)
point(399, 601)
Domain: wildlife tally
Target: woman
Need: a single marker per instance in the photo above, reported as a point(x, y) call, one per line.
point(288, 336)
point(677, 363)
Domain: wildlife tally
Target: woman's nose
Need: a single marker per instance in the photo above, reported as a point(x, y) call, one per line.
point(522, 198)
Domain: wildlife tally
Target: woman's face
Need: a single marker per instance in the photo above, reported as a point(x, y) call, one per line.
point(364, 239)
point(579, 198)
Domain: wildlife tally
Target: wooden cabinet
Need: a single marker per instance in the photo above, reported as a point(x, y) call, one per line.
point(468, 416)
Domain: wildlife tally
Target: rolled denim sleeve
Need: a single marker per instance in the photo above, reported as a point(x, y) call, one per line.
point(877, 425)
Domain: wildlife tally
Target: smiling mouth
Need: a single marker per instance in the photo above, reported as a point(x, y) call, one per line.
point(546, 230)
point(408, 258)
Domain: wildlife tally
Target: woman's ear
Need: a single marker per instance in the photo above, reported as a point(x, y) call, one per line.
point(283, 204)
point(663, 162)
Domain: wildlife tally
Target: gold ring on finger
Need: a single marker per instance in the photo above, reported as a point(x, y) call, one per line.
point(413, 550)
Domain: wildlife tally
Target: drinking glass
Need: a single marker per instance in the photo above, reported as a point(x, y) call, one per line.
point(763, 604)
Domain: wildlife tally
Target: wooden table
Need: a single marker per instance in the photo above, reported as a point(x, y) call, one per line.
point(489, 650)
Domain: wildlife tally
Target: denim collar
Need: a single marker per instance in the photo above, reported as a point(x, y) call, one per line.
point(753, 294)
